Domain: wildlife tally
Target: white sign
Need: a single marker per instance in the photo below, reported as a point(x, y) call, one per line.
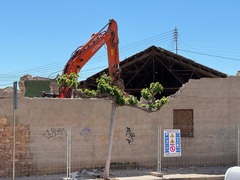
point(172, 143)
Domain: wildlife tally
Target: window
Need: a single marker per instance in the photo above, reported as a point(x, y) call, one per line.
point(183, 120)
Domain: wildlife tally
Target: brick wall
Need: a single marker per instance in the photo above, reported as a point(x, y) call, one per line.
point(22, 156)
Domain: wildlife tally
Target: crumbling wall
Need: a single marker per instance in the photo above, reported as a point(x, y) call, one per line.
point(33, 86)
point(214, 101)
point(23, 163)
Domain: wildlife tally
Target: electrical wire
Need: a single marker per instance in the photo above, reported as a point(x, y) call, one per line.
point(211, 55)
point(224, 57)
point(161, 40)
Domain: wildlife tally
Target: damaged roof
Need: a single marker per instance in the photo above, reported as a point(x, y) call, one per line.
point(156, 64)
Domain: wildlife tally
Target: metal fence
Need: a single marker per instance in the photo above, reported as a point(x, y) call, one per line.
point(56, 152)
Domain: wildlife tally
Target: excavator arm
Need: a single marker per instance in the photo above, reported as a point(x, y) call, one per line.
point(84, 53)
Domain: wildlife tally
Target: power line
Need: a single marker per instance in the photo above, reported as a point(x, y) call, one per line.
point(48, 69)
point(211, 55)
point(126, 50)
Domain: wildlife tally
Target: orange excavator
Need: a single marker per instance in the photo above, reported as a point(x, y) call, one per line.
point(84, 53)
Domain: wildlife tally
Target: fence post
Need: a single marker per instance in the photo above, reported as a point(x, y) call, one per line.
point(238, 146)
point(69, 142)
point(159, 151)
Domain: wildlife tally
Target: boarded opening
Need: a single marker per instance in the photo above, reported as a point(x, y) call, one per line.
point(183, 120)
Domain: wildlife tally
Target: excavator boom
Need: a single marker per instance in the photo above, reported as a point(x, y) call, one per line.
point(84, 53)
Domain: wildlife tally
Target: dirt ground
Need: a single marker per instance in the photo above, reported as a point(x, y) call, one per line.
point(123, 174)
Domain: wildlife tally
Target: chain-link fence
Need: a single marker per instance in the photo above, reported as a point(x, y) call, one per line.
point(55, 152)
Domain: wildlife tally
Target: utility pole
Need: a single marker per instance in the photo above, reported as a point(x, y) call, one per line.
point(175, 34)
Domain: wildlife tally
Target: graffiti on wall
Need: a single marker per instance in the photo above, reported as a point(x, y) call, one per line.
point(86, 133)
point(130, 135)
point(53, 133)
point(104, 137)
point(117, 133)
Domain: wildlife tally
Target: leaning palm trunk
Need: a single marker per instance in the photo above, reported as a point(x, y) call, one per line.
point(110, 141)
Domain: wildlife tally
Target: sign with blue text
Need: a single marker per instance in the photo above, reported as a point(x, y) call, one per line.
point(172, 143)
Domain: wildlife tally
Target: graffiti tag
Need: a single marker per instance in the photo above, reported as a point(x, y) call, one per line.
point(129, 136)
point(86, 133)
point(54, 132)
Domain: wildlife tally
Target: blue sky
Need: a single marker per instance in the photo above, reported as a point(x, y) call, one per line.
point(38, 37)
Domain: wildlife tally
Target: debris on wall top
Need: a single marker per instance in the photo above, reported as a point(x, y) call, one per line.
point(28, 77)
point(6, 92)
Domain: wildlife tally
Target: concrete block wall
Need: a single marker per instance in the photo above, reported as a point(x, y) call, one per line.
point(216, 115)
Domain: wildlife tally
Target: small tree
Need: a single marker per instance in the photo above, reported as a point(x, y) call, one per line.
point(105, 87)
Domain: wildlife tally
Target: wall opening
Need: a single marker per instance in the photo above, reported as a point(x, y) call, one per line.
point(183, 120)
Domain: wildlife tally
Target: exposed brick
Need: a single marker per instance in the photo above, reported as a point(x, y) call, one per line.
point(22, 161)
